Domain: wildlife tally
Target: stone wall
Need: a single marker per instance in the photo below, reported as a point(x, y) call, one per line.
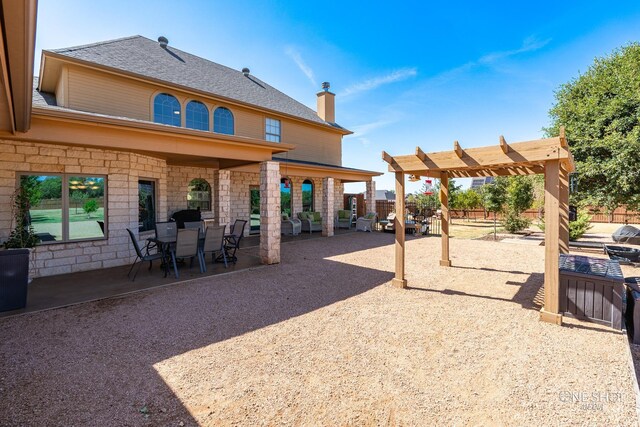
point(178, 179)
point(240, 203)
point(122, 171)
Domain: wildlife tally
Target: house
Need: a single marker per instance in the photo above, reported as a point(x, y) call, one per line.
point(141, 129)
point(476, 183)
point(385, 195)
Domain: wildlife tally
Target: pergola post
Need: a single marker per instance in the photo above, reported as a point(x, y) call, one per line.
point(444, 201)
point(551, 310)
point(564, 209)
point(399, 222)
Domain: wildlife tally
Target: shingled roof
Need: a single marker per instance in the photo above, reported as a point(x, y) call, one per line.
point(145, 57)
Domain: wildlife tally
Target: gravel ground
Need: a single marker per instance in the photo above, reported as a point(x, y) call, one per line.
point(322, 339)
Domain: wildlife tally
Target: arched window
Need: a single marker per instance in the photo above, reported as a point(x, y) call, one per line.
point(285, 196)
point(307, 196)
point(223, 121)
point(166, 110)
point(197, 116)
point(199, 196)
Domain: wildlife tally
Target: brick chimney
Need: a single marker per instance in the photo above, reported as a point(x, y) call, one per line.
point(327, 104)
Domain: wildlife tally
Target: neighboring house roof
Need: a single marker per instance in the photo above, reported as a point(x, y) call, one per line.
point(142, 56)
point(385, 195)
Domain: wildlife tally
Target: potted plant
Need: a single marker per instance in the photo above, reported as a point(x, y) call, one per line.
point(14, 261)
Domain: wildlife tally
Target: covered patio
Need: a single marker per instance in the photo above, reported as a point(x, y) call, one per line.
point(550, 157)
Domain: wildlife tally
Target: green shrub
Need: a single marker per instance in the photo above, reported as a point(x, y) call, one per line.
point(514, 222)
point(90, 207)
point(577, 228)
point(580, 226)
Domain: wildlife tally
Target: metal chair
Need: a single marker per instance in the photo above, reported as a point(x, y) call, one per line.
point(166, 229)
point(232, 240)
point(214, 242)
point(140, 256)
point(195, 225)
point(186, 247)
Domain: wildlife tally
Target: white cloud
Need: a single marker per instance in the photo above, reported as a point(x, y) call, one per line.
point(295, 55)
point(362, 130)
point(529, 44)
point(375, 82)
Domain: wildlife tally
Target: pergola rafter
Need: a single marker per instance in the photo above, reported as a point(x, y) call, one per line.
point(549, 156)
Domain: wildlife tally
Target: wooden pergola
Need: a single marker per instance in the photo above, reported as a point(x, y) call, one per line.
point(550, 156)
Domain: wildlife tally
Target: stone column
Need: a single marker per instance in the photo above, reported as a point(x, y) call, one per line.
point(327, 207)
point(222, 195)
point(371, 196)
point(270, 212)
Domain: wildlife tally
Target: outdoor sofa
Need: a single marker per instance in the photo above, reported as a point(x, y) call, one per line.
point(291, 226)
point(311, 221)
point(365, 223)
point(343, 219)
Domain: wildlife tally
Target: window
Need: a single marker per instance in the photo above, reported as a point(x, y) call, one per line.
point(197, 116)
point(166, 110)
point(146, 205)
point(285, 196)
point(66, 207)
point(272, 130)
point(199, 196)
point(223, 121)
point(307, 196)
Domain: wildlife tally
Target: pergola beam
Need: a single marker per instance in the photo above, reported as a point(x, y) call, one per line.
point(492, 157)
point(550, 156)
point(457, 149)
point(503, 145)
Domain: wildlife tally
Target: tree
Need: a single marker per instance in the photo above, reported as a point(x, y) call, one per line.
point(519, 198)
point(90, 207)
point(494, 196)
point(78, 197)
point(468, 199)
point(600, 111)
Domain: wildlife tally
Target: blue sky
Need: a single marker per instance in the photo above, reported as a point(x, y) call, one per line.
point(406, 74)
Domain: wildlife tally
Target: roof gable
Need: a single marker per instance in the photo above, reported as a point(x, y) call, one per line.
point(142, 56)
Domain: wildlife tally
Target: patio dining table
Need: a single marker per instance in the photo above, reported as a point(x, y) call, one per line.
point(165, 242)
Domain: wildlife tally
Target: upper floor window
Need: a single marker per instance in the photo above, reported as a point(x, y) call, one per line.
point(272, 130)
point(166, 110)
point(223, 121)
point(197, 116)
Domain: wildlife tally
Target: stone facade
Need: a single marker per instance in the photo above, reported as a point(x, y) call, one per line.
point(122, 171)
point(230, 199)
point(178, 179)
point(328, 207)
point(270, 219)
point(371, 196)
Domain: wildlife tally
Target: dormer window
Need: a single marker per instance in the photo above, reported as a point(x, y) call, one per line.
point(223, 121)
point(272, 130)
point(197, 116)
point(166, 110)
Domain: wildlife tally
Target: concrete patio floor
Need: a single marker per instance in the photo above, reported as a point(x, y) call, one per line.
point(74, 288)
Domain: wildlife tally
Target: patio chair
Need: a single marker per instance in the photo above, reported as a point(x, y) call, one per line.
point(343, 219)
point(232, 240)
point(166, 229)
point(213, 243)
point(142, 255)
point(186, 247)
point(365, 223)
point(291, 226)
point(194, 225)
point(311, 221)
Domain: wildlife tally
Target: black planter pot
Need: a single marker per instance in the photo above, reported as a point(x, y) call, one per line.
point(14, 277)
